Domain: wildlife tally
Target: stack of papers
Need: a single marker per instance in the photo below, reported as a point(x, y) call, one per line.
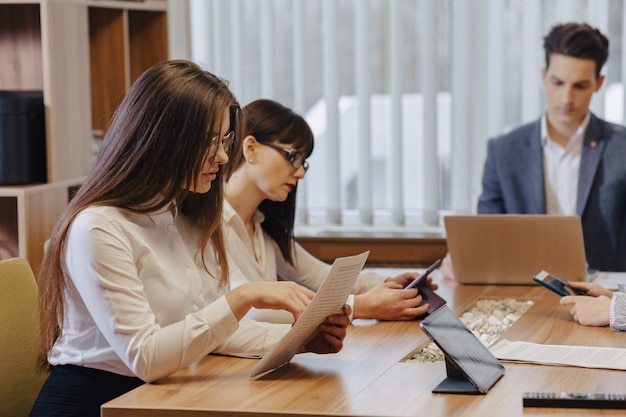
point(563, 355)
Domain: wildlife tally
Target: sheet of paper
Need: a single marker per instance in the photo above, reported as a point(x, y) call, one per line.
point(328, 300)
point(582, 356)
point(610, 280)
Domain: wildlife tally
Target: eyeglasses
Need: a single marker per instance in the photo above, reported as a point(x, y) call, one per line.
point(295, 158)
point(227, 140)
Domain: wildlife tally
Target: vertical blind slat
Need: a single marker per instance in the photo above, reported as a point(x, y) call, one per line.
point(236, 50)
point(298, 56)
point(200, 13)
point(331, 97)
point(216, 37)
point(429, 83)
point(461, 105)
point(623, 74)
point(496, 66)
point(532, 60)
point(267, 55)
point(566, 10)
point(599, 17)
point(361, 68)
point(298, 95)
point(395, 72)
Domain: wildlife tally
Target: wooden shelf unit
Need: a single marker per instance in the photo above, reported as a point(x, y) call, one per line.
point(123, 43)
point(83, 55)
point(32, 212)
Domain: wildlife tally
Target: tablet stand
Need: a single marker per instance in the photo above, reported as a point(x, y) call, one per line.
point(456, 382)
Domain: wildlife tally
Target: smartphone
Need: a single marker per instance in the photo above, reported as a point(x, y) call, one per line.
point(555, 284)
point(420, 280)
point(428, 296)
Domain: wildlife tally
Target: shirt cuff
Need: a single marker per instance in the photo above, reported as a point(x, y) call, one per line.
point(618, 311)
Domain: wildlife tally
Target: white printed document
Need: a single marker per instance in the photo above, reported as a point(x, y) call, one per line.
point(610, 280)
point(328, 300)
point(564, 355)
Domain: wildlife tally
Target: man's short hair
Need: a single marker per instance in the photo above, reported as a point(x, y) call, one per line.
point(578, 40)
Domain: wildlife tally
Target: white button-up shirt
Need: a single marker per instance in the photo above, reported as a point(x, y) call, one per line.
point(561, 167)
point(139, 302)
point(261, 260)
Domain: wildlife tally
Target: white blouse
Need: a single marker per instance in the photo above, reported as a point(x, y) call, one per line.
point(618, 311)
point(264, 262)
point(138, 301)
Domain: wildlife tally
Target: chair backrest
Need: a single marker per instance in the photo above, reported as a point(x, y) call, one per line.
point(19, 320)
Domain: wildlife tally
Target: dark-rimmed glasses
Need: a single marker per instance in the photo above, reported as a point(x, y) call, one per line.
point(227, 140)
point(295, 158)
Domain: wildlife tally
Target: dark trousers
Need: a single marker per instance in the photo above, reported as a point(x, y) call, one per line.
point(79, 391)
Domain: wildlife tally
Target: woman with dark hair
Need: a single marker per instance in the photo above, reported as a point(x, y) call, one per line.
point(134, 283)
point(259, 217)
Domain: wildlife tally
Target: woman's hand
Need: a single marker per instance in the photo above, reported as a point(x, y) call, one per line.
point(282, 295)
point(389, 301)
point(590, 288)
point(589, 311)
point(405, 279)
point(331, 333)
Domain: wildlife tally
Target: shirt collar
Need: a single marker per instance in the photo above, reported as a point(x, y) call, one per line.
point(578, 136)
point(168, 212)
point(228, 212)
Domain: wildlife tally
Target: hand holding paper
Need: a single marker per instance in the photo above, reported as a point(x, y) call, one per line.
point(329, 338)
point(329, 300)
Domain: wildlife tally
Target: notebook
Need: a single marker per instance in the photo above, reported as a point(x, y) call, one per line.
point(510, 249)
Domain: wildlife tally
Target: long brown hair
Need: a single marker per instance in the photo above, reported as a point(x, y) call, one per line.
point(155, 146)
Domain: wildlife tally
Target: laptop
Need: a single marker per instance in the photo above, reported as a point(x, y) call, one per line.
point(510, 249)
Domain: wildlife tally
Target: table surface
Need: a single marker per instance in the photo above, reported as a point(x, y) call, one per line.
point(372, 377)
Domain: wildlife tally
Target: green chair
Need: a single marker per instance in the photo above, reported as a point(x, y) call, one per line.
point(19, 320)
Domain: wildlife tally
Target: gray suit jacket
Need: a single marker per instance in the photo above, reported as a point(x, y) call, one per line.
point(513, 182)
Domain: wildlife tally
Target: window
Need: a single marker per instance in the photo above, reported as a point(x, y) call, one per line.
point(401, 95)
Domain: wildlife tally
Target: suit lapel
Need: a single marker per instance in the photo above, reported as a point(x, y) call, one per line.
point(534, 163)
point(593, 147)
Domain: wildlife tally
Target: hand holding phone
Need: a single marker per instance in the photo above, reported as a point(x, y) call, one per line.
point(420, 280)
point(428, 295)
point(555, 284)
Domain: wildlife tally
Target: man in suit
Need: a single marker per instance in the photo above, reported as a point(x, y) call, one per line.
point(569, 161)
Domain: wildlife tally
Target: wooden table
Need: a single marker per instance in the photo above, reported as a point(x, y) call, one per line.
point(371, 377)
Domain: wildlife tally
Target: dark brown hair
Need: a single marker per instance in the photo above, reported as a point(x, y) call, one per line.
point(578, 40)
point(272, 122)
point(152, 153)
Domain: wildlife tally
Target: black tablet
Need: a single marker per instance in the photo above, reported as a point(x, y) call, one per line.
point(471, 368)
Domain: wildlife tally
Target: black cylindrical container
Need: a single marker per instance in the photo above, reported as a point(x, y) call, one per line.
point(22, 138)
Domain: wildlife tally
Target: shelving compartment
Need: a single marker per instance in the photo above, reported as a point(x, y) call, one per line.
point(122, 45)
point(107, 53)
point(28, 215)
point(9, 240)
point(21, 65)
